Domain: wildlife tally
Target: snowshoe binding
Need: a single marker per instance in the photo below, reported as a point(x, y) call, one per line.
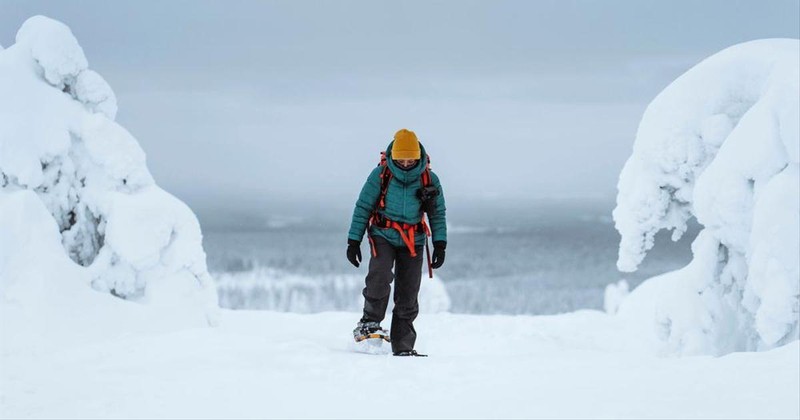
point(369, 331)
point(410, 353)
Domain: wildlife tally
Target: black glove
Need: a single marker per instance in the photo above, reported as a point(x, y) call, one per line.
point(353, 251)
point(438, 253)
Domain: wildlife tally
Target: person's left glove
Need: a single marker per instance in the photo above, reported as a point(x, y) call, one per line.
point(438, 253)
point(354, 251)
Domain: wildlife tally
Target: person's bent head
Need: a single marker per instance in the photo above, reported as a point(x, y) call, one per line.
point(405, 149)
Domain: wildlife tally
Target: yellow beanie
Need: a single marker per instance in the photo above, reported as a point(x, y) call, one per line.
point(406, 145)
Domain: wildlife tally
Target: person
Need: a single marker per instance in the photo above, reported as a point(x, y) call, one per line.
point(391, 208)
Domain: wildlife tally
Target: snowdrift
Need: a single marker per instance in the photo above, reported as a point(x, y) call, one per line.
point(721, 144)
point(80, 210)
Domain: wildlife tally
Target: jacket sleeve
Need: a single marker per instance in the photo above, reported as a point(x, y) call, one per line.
point(365, 204)
point(439, 220)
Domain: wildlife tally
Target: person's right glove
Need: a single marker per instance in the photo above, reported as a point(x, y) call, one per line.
point(438, 253)
point(354, 251)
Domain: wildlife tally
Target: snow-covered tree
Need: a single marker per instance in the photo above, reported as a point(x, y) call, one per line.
point(60, 144)
point(276, 290)
point(721, 144)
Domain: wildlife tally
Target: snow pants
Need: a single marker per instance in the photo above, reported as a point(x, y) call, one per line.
point(407, 277)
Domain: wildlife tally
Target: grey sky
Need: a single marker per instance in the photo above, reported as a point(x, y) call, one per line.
point(242, 103)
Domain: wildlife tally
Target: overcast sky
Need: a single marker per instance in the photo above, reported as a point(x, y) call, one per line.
point(253, 102)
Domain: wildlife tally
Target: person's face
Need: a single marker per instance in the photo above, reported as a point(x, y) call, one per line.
point(405, 163)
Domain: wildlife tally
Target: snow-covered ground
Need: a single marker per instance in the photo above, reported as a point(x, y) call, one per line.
point(107, 308)
point(281, 365)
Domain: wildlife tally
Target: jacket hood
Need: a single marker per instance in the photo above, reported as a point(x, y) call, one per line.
point(411, 175)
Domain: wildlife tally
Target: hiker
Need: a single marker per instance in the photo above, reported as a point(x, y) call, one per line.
point(390, 207)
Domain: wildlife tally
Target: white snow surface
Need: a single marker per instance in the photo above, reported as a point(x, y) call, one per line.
point(261, 364)
point(722, 144)
point(79, 207)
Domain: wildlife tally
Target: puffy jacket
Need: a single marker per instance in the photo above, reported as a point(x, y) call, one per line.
point(402, 203)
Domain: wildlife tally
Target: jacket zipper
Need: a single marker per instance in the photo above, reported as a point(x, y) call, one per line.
point(404, 201)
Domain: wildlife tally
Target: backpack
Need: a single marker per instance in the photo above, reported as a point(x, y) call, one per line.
point(406, 230)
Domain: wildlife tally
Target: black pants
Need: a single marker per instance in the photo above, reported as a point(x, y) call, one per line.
point(407, 276)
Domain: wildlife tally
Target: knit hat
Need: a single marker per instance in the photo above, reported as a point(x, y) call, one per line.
point(406, 145)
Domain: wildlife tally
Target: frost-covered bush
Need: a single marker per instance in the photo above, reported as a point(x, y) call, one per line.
point(275, 290)
point(58, 139)
point(722, 144)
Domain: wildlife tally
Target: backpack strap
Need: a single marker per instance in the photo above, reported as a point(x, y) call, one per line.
point(425, 178)
point(386, 176)
point(406, 231)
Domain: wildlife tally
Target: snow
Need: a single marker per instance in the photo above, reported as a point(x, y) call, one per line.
point(614, 295)
point(94, 92)
point(721, 144)
point(79, 205)
point(774, 242)
point(56, 51)
point(45, 298)
point(106, 301)
point(281, 365)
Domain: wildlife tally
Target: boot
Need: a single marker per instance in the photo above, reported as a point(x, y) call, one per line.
point(412, 353)
point(370, 329)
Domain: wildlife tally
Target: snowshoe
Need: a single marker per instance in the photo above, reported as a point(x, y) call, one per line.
point(370, 330)
point(410, 353)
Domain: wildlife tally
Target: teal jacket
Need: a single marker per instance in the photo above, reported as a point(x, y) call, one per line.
point(402, 204)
